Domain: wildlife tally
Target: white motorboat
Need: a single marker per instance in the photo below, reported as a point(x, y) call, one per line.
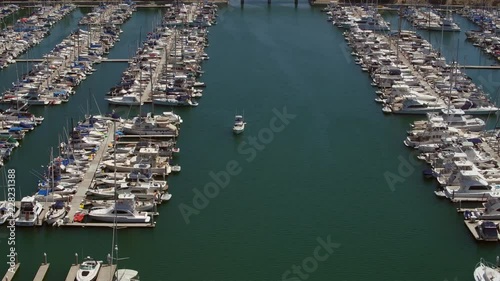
point(386, 109)
point(88, 270)
point(122, 211)
point(486, 272)
point(239, 124)
point(473, 187)
point(149, 126)
point(129, 99)
point(415, 106)
point(454, 118)
point(56, 212)
point(29, 212)
point(172, 116)
point(176, 168)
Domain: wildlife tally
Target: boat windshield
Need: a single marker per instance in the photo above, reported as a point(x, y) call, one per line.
point(87, 267)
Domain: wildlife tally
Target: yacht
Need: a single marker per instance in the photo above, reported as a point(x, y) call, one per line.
point(29, 212)
point(175, 101)
point(473, 187)
point(123, 211)
point(454, 118)
point(486, 272)
point(239, 124)
point(89, 269)
point(434, 133)
point(129, 99)
point(148, 126)
point(415, 106)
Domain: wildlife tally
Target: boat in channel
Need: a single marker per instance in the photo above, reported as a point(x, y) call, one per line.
point(239, 124)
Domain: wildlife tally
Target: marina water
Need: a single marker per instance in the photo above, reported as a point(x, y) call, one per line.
point(319, 177)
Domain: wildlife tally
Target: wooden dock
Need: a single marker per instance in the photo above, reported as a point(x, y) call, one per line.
point(473, 230)
point(83, 186)
point(42, 60)
point(111, 225)
point(72, 272)
point(106, 272)
point(11, 272)
point(490, 67)
point(42, 271)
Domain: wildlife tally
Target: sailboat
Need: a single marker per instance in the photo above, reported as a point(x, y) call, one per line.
point(239, 124)
point(486, 272)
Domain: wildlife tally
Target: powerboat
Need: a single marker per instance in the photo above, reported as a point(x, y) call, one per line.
point(122, 211)
point(129, 99)
point(29, 212)
point(88, 270)
point(239, 124)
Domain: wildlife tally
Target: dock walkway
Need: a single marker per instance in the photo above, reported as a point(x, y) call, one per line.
point(88, 177)
point(42, 60)
point(10, 273)
point(42, 271)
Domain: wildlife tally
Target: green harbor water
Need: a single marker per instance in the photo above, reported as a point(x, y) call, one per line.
point(319, 175)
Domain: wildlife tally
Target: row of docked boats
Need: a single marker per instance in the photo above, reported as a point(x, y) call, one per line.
point(115, 14)
point(348, 17)
point(412, 78)
point(7, 10)
point(70, 62)
point(125, 183)
point(486, 19)
point(27, 32)
point(486, 37)
point(488, 41)
point(428, 19)
point(165, 69)
point(15, 122)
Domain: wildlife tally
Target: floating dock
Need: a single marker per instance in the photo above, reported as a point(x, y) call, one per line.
point(472, 226)
point(42, 271)
point(83, 186)
point(106, 272)
point(11, 272)
point(42, 60)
